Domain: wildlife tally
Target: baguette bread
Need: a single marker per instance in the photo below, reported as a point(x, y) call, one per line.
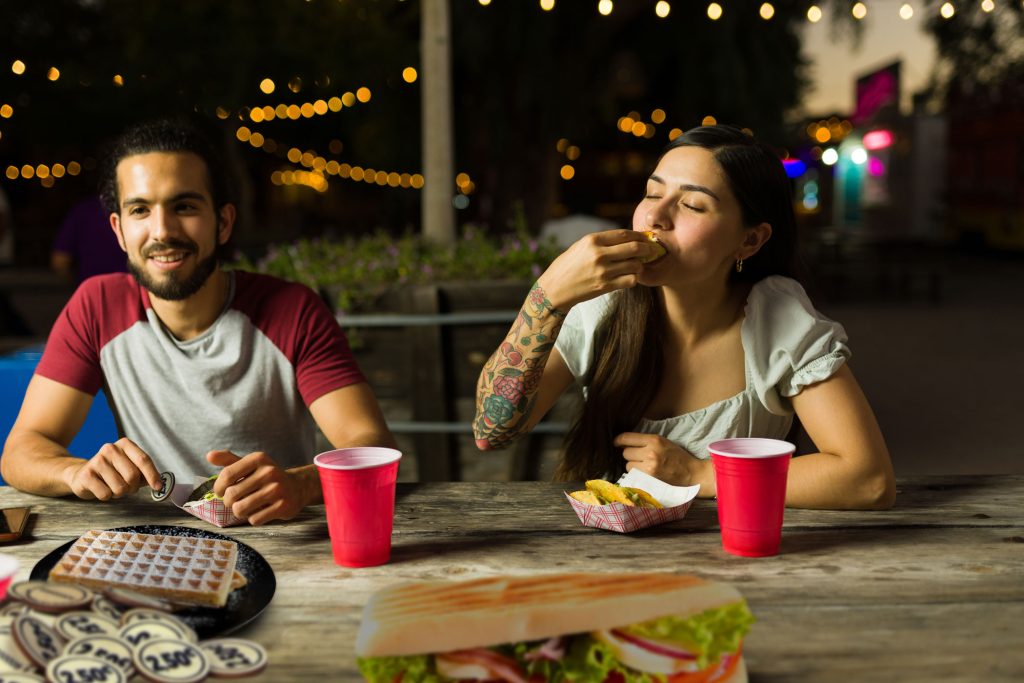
point(431, 617)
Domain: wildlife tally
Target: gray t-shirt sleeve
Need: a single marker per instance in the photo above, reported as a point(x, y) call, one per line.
point(791, 345)
point(575, 342)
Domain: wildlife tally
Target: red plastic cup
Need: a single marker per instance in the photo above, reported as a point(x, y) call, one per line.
point(359, 494)
point(750, 475)
point(8, 568)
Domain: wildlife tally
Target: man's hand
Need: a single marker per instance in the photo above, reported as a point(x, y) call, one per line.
point(117, 470)
point(661, 458)
point(256, 489)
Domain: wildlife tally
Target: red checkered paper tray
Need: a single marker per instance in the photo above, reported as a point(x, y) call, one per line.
point(212, 511)
point(627, 518)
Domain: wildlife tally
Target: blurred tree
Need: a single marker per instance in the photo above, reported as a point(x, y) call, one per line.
point(981, 50)
point(525, 78)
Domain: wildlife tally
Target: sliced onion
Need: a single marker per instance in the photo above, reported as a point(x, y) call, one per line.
point(658, 648)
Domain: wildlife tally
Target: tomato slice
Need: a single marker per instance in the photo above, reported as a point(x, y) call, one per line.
point(701, 676)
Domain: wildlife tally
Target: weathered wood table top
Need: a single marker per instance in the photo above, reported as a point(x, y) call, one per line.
point(930, 590)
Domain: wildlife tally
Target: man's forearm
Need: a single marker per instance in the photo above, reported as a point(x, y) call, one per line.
point(34, 463)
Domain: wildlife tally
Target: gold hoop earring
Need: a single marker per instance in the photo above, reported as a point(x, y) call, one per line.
point(739, 265)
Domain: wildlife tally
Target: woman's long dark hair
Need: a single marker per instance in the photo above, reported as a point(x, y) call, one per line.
point(628, 364)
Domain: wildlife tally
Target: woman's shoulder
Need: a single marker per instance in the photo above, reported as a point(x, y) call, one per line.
point(778, 290)
point(788, 343)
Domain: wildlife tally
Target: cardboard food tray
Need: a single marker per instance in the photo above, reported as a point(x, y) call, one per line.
point(212, 511)
point(627, 518)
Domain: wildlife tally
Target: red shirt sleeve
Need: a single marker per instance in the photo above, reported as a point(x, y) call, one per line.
point(299, 323)
point(100, 309)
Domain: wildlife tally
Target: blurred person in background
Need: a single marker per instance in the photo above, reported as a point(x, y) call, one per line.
point(717, 341)
point(86, 245)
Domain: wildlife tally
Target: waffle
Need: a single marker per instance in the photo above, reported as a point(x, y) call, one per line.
point(180, 569)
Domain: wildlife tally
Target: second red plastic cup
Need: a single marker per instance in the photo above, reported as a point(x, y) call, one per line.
point(750, 475)
point(8, 567)
point(359, 496)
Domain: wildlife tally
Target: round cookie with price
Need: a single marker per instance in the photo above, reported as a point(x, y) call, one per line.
point(171, 661)
point(234, 657)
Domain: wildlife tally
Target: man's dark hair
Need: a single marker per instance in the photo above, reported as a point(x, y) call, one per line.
point(166, 135)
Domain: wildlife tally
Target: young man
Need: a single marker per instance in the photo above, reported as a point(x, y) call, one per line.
point(204, 368)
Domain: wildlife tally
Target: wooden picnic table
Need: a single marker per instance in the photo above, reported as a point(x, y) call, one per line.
point(932, 589)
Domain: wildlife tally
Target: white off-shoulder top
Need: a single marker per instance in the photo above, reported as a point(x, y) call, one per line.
point(787, 346)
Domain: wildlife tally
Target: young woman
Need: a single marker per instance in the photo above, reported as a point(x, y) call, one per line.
point(697, 336)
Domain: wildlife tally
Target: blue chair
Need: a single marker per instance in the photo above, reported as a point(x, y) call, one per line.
point(16, 370)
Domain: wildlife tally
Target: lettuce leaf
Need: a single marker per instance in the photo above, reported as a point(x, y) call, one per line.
point(590, 660)
point(417, 669)
point(708, 635)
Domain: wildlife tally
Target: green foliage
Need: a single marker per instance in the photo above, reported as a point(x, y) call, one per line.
point(355, 272)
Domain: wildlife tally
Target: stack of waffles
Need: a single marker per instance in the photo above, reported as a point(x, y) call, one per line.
point(178, 569)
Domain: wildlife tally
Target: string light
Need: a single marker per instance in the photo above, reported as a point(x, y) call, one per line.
point(766, 10)
point(53, 74)
point(46, 174)
point(267, 86)
point(987, 5)
point(409, 74)
point(319, 166)
point(18, 67)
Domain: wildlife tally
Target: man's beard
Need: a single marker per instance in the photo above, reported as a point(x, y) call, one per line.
point(171, 287)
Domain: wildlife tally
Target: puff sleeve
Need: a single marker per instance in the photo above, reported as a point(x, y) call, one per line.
point(576, 340)
point(789, 345)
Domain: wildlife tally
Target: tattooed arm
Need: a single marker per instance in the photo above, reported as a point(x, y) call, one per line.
point(508, 388)
point(526, 375)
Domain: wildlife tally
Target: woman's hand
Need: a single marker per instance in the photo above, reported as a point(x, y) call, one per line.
point(596, 264)
point(663, 459)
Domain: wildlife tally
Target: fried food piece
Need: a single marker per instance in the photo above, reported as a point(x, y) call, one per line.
point(587, 497)
point(600, 492)
point(649, 234)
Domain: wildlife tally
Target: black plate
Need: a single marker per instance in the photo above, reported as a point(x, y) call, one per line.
point(244, 604)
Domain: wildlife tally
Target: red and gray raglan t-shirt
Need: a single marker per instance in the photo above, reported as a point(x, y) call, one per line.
point(243, 385)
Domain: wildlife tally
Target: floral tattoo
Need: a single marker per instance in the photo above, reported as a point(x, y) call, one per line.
point(509, 381)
